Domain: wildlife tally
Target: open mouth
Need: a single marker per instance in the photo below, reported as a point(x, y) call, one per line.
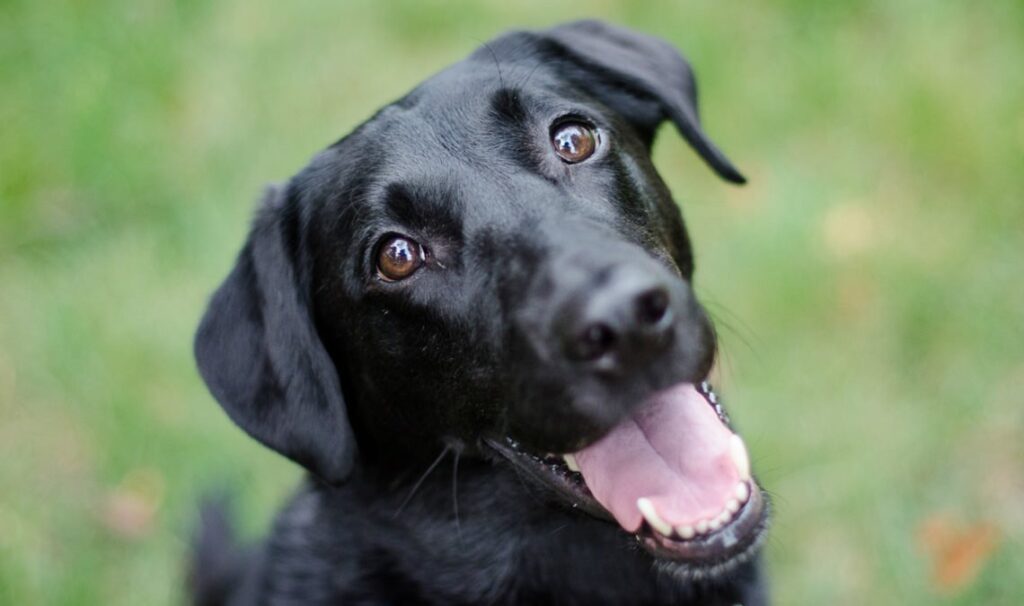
point(673, 474)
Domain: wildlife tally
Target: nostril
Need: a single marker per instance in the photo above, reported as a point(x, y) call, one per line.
point(594, 341)
point(651, 306)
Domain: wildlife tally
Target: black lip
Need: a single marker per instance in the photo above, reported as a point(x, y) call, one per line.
point(732, 543)
point(553, 475)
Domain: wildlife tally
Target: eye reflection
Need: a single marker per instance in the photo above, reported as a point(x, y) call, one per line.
point(574, 141)
point(398, 258)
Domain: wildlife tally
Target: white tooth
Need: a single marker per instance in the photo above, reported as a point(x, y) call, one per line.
point(686, 532)
point(571, 462)
point(725, 516)
point(715, 524)
point(742, 492)
point(732, 505)
point(701, 527)
point(738, 452)
point(646, 508)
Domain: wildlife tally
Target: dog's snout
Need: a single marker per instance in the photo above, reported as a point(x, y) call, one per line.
point(620, 322)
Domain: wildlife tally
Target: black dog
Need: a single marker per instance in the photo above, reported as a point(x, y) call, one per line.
point(488, 271)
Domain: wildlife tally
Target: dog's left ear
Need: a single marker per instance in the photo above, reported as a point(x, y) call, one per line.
point(259, 352)
point(643, 78)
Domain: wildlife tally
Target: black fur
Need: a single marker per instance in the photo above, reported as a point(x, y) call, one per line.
point(390, 393)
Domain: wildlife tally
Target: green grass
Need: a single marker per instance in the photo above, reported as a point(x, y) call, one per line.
point(869, 282)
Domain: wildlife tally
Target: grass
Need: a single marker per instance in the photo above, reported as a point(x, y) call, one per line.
point(868, 282)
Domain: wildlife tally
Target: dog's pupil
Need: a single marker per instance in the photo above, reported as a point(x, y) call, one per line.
point(573, 142)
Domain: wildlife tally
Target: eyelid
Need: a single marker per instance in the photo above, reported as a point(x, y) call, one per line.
point(572, 116)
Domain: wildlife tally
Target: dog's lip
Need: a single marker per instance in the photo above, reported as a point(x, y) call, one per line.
point(552, 472)
point(731, 543)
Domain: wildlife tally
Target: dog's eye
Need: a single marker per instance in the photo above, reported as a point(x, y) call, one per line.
point(398, 257)
point(573, 141)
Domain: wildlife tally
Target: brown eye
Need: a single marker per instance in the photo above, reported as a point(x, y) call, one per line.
point(573, 141)
point(398, 257)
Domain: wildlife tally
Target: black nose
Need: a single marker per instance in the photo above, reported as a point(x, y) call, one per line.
point(624, 319)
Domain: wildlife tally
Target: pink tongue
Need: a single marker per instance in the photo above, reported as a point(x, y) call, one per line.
point(674, 451)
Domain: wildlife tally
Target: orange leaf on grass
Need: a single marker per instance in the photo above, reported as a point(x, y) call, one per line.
point(130, 509)
point(956, 550)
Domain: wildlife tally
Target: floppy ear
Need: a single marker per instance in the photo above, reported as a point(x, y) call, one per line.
point(643, 78)
point(259, 352)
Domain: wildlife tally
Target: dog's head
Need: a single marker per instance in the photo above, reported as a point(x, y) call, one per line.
point(492, 263)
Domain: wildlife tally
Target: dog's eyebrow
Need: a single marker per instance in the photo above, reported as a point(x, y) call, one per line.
point(432, 209)
point(508, 107)
point(512, 118)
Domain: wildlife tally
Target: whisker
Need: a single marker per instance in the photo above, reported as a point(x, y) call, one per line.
point(419, 482)
point(455, 493)
point(497, 64)
point(734, 324)
point(529, 75)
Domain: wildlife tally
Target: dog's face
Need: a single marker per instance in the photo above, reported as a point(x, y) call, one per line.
point(493, 264)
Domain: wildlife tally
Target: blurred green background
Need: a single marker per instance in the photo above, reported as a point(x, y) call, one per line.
point(868, 283)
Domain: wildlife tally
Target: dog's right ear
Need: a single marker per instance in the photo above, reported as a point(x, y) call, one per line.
point(259, 352)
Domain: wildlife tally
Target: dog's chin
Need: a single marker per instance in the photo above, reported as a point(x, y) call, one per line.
point(672, 523)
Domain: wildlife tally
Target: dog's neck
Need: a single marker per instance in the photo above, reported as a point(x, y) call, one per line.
point(526, 549)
